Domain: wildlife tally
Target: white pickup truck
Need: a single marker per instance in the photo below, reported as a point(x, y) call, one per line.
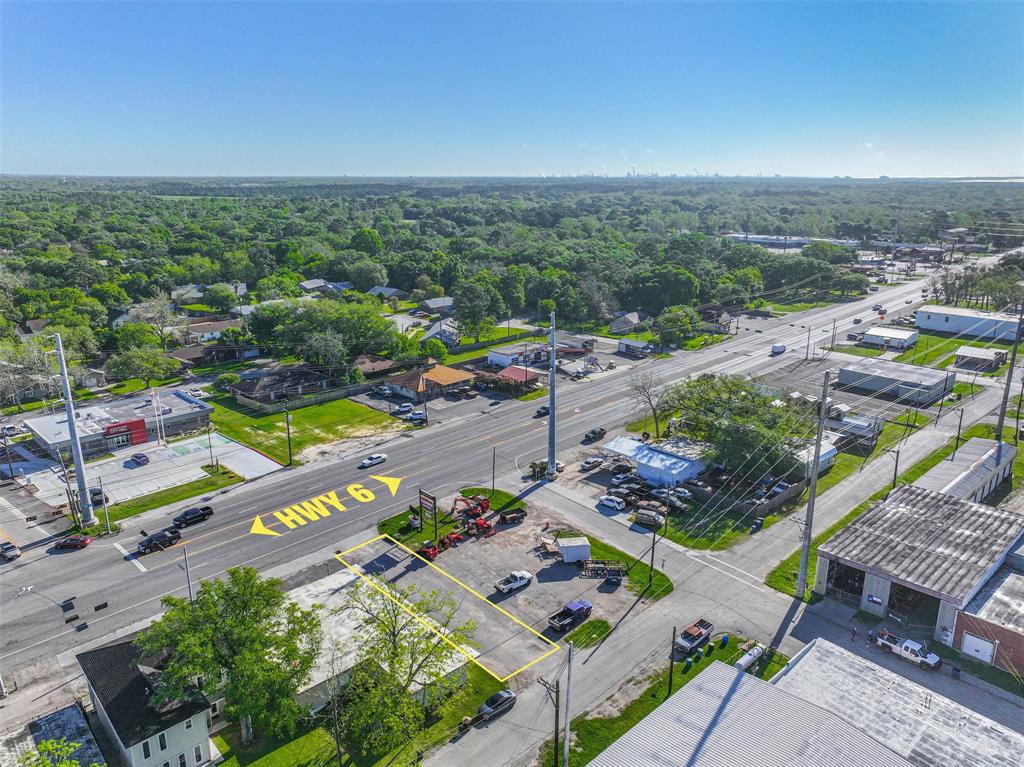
point(909, 649)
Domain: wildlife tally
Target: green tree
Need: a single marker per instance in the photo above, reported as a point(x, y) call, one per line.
point(145, 363)
point(226, 380)
point(52, 753)
point(432, 347)
point(366, 274)
point(247, 630)
point(677, 324)
point(220, 296)
point(368, 241)
point(325, 348)
point(134, 335)
point(471, 302)
point(110, 294)
point(277, 286)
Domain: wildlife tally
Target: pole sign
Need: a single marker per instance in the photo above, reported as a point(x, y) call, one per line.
point(428, 504)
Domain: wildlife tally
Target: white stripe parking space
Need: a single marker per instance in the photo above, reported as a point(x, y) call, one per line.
point(130, 557)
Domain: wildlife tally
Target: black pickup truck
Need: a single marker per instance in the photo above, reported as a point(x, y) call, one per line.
point(574, 612)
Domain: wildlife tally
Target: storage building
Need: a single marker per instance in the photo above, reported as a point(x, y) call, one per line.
point(970, 323)
point(977, 468)
point(976, 358)
point(908, 383)
point(889, 338)
point(667, 463)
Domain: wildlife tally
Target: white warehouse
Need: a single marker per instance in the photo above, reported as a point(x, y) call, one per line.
point(890, 338)
point(971, 323)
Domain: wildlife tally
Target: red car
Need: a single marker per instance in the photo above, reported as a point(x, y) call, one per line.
point(74, 542)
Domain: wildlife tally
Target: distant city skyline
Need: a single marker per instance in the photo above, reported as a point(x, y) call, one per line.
point(512, 89)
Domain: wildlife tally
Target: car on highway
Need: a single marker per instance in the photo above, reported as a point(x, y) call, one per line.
point(373, 460)
point(542, 411)
point(405, 407)
point(73, 542)
point(778, 349)
point(876, 307)
point(140, 459)
point(9, 552)
point(909, 301)
point(498, 703)
point(612, 502)
point(857, 320)
point(591, 463)
point(621, 479)
point(595, 434)
point(159, 541)
point(193, 515)
point(515, 580)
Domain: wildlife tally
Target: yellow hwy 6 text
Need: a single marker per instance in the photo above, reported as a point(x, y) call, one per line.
point(313, 509)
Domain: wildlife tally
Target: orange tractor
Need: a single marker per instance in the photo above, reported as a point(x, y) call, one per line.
point(474, 506)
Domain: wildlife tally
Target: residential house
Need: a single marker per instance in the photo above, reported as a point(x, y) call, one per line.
point(384, 293)
point(373, 365)
point(119, 316)
point(242, 311)
point(31, 329)
point(447, 331)
point(442, 305)
point(122, 683)
point(210, 331)
point(182, 295)
point(626, 322)
point(425, 383)
point(195, 354)
point(313, 286)
point(715, 321)
point(282, 384)
point(323, 287)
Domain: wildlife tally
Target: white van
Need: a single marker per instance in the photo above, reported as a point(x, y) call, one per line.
point(778, 349)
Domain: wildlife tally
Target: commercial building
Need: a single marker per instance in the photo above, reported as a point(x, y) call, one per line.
point(132, 421)
point(526, 353)
point(422, 384)
point(907, 383)
point(969, 323)
point(122, 684)
point(896, 339)
point(977, 468)
point(918, 557)
point(827, 708)
point(633, 347)
point(976, 358)
point(991, 627)
point(667, 463)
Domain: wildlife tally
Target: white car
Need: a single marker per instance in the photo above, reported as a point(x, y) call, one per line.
point(383, 391)
point(661, 492)
point(417, 415)
point(373, 460)
point(612, 502)
point(591, 463)
point(405, 407)
point(621, 479)
point(196, 392)
point(513, 581)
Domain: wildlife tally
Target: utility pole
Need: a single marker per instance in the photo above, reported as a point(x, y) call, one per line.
point(805, 550)
point(654, 540)
point(103, 498)
point(568, 711)
point(807, 352)
point(671, 660)
point(1020, 403)
point(959, 426)
point(10, 468)
point(551, 473)
point(833, 346)
point(288, 431)
point(188, 575)
point(1009, 380)
point(494, 461)
point(84, 502)
point(553, 696)
point(896, 468)
point(209, 441)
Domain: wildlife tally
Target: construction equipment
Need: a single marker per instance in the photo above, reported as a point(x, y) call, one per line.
point(480, 526)
point(429, 550)
point(512, 515)
point(474, 506)
point(451, 539)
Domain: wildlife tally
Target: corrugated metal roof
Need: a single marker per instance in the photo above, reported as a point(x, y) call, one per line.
point(929, 541)
point(654, 456)
point(896, 371)
point(962, 474)
point(726, 718)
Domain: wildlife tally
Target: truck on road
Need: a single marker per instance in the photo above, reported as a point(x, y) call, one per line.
point(907, 648)
point(574, 612)
point(694, 636)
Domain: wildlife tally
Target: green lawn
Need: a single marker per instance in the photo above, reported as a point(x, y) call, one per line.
point(588, 634)
point(398, 526)
point(592, 735)
point(532, 395)
point(783, 576)
point(859, 351)
point(313, 425)
point(797, 306)
point(938, 350)
point(500, 499)
point(706, 339)
point(215, 481)
point(961, 390)
point(638, 572)
point(315, 747)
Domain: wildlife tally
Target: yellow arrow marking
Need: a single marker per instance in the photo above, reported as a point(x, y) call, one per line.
point(258, 528)
point(391, 482)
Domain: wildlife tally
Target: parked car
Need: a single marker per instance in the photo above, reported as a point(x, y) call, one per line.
point(405, 407)
point(382, 390)
point(683, 493)
point(512, 515)
point(196, 392)
point(97, 497)
point(542, 411)
point(621, 467)
point(873, 288)
point(695, 636)
point(373, 460)
point(595, 434)
point(73, 542)
point(417, 416)
point(621, 479)
point(676, 502)
point(591, 463)
point(498, 703)
point(10, 430)
point(193, 515)
point(515, 580)
point(140, 459)
point(574, 612)
point(9, 552)
point(612, 502)
point(637, 488)
point(661, 492)
point(159, 541)
point(649, 517)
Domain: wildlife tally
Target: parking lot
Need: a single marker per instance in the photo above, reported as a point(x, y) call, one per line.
point(504, 646)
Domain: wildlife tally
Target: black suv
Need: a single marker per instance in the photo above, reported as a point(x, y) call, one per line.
point(193, 515)
point(594, 434)
point(159, 541)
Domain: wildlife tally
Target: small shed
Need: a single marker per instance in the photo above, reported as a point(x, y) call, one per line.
point(979, 359)
point(574, 549)
point(634, 347)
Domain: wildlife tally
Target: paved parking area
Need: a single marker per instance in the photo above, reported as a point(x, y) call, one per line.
point(169, 465)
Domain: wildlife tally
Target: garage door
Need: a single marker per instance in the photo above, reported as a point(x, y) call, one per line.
point(978, 648)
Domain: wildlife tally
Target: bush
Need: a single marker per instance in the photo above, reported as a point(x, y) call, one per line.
point(226, 380)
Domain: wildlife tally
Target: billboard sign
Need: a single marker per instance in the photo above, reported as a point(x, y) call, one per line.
point(428, 503)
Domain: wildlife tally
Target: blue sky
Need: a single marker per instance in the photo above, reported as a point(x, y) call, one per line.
point(290, 88)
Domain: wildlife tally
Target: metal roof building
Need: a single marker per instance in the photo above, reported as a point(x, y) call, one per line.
point(973, 471)
point(909, 383)
point(890, 338)
point(724, 717)
point(667, 463)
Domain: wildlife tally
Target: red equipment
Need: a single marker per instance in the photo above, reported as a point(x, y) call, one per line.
point(481, 525)
point(451, 539)
point(474, 506)
point(428, 550)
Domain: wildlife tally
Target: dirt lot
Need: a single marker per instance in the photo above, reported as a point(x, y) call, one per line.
point(503, 645)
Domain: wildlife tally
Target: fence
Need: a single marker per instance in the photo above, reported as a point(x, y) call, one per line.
point(278, 406)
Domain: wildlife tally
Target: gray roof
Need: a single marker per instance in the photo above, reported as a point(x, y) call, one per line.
point(438, 303)
point(897, 371)
point(886, 332)
point(928, 541)
point(1001, 601)
point(314, 284)
point(919, 725)
point(978, 353)
point(726, 718)
point(961, 474)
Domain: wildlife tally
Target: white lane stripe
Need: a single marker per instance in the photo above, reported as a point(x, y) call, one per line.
point(130, 557)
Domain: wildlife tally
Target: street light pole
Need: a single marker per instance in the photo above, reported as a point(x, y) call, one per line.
point(288, 431)
point(1009, 381)
point(551, 473)
point(805, 549)
point(84, 502)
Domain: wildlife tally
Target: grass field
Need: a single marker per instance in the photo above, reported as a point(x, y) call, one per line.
point(532, 395)
point(592, 735)
point(859, 351)
point(937, 350)
point(961, 390)
point(589, 633)
point(312, 425)
point(315, 747)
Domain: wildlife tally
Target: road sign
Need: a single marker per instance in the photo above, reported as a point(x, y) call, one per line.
point(428, 503)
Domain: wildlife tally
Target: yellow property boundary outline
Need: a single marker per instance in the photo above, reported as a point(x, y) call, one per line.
point(462, 650)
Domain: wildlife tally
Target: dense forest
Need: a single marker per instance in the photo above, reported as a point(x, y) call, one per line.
point(76, 249)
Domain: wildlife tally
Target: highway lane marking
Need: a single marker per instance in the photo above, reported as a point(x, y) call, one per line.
point(130, 557)
point(319, 507)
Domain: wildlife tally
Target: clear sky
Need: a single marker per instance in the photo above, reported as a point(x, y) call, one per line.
point(331, 88)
